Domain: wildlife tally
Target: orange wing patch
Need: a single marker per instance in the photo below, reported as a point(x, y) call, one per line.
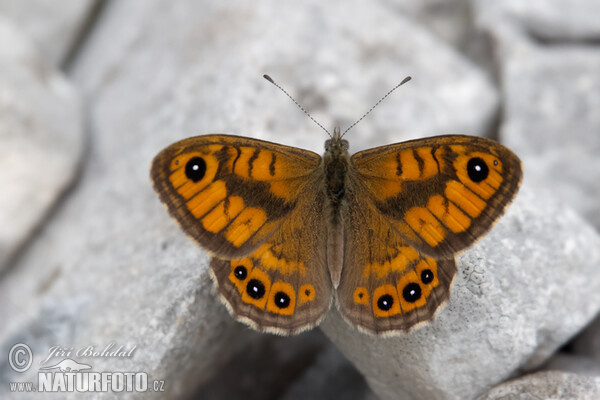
point(468, 201)
point(405, 256)
point(267, 258)
point(448, 214)
point(222, 214)
point(306, 293)
point(207, 199)
point(426, 225)
point(361, 296)
point(387, 173)
point(247, 223)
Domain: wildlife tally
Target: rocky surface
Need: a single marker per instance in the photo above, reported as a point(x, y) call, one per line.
point(547, 385)
point(110, 266)
point(54, 30)
point(41, 138)
point(551, 93)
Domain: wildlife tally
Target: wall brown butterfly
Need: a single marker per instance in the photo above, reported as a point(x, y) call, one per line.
point(377, 232)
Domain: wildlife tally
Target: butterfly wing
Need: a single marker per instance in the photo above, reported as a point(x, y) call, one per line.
point(386, 284)
point(229, 193)
point(284, 286)
point(441, 193)
point(254, 205)
point(422, 201)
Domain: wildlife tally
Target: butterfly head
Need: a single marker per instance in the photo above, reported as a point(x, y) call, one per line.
point(336, 146)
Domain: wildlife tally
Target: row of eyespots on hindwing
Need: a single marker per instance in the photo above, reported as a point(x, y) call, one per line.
point(256, 288)
point(410, 291)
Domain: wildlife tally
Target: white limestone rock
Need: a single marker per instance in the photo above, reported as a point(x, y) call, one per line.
point(53, 27)
point(41, 139)
point(551, 96)
point(553, 385)
point(547, 21)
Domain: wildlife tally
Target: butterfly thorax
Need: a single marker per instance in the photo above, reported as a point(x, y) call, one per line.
point(336, 162)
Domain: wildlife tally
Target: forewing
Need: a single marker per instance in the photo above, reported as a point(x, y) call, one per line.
point(229, 193)
point(441, 193)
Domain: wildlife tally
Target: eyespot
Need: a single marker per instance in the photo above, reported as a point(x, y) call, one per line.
point(385, 302)
point(477, 169)
point(282, 300)
point(361, 296)
point(306, 293)
point(426, 276)
point(255, 289)
point(240, 272)
point(195, 169)
point(411, 292)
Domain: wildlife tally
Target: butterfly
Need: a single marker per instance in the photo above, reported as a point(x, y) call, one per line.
point(377, 232)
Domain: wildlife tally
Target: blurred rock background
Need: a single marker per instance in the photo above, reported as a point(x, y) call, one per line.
point(91, 90)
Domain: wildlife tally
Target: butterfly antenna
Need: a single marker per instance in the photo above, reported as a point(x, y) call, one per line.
point(267, 77)
point(408, 78)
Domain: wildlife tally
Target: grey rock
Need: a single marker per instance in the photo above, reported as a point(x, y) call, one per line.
point(41, 138)
point(553, 385)
point(551, 94)
point(520, 293)
point(55, 30)
point(547, 21)
point(449, 20)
